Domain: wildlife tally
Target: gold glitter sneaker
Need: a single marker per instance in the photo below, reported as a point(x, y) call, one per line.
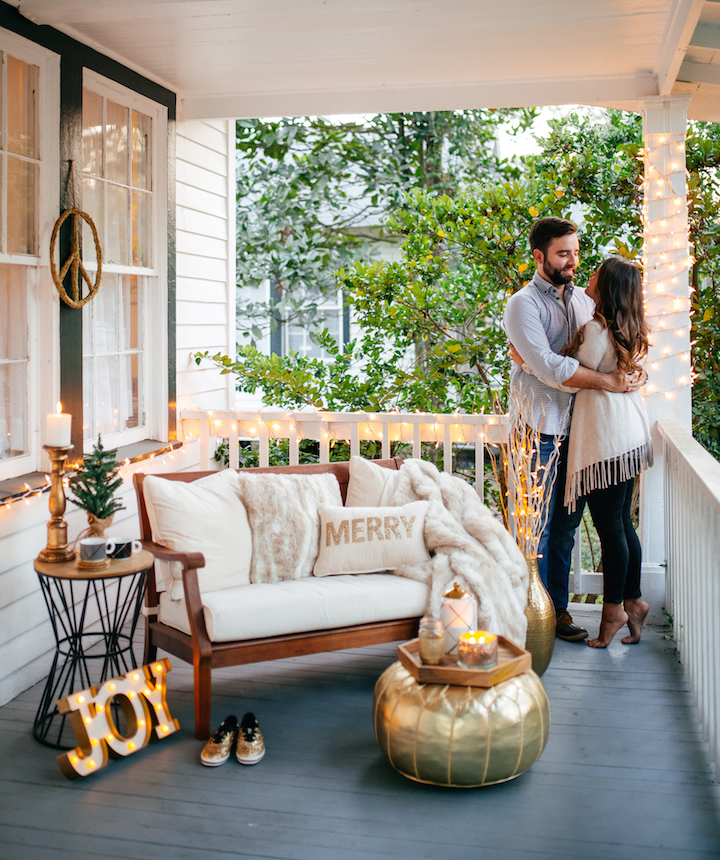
point(250, 745)
point(217, 750)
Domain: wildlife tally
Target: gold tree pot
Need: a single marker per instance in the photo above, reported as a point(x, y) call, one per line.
point(540, 614)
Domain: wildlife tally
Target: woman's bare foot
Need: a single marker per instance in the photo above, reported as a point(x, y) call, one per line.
point(636, 610)
point(613, 618)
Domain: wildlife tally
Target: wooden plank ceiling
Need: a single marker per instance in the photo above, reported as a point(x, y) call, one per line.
point(233, 58)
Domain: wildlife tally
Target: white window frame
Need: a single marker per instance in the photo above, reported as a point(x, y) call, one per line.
point(155, 344)
point(43, 315)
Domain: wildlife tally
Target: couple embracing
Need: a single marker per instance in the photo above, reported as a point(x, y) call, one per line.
point(586, 346)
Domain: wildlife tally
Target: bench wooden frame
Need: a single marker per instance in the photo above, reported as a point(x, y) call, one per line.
point(206, 655)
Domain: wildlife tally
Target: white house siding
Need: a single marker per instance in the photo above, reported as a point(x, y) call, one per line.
point(205, 260)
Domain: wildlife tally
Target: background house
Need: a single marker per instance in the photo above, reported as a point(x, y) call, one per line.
point(128, 109)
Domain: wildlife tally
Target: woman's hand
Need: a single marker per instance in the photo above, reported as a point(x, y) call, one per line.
point(515, 355)
point(634, 381)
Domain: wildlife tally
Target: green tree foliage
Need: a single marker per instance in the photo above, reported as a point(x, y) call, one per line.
point(431, 335)
point(94, 484)
point(308, 187)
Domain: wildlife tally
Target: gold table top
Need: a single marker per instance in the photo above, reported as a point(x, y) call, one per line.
point(118, 567)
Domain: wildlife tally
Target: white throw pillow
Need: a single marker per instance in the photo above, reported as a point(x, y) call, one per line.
point(370, 485)
point(283, 514)
point(368, 540)
point(204, 516)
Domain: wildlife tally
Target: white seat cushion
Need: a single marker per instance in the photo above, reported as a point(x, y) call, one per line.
point(274, 609)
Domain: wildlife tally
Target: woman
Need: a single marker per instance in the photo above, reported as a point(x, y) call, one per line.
point(610, 443)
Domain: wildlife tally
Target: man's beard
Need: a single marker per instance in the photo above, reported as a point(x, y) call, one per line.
point(559, 277)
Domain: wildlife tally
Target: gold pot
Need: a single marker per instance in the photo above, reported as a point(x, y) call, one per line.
point(540, 614)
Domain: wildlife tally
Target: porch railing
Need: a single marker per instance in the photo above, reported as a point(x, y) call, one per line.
point(353, 427)
point(692, 536)
point(384, 428)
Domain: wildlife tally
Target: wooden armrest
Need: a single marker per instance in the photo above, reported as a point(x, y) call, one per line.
point(189, 560)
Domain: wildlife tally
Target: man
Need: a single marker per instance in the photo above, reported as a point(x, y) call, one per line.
point(540, 319)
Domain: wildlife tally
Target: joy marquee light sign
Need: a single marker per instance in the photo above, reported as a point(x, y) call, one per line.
point(141, 697)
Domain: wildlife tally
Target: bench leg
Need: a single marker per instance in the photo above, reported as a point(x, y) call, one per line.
point(203, 692)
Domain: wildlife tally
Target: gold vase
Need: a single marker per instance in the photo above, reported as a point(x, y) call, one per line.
point(540, 614)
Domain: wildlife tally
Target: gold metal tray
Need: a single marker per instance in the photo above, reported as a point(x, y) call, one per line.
point(512, 660)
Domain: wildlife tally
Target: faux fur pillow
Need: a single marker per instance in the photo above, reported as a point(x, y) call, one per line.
point(368, 540)
point(283, 515)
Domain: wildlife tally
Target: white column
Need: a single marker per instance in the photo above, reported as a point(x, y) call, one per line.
point(666, 260)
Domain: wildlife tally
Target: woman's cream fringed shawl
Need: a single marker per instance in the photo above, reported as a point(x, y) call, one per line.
point(609, 433)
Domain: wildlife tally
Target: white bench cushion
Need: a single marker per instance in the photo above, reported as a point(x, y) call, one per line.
point(274, 609)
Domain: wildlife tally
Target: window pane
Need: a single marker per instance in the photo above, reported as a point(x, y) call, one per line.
point(140, 228)
point(92, 203)
point(22, 107)
point(105, 390)
point(92, 133)
point(116, 144)
point(88, 388)
point(118, 200)
point(141, 127)
point(132, 393)
point(13, 410)
point(22, 191)
point(132, 313)
point(13, 362)
point(87, 325)
point(13, 313)
point(105, 313)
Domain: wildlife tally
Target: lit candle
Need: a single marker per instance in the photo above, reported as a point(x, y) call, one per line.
point(57, 428)
point(477, 650)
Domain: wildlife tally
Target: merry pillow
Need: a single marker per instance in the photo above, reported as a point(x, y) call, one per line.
point(367, 540)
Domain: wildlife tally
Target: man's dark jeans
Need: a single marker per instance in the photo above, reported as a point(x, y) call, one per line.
point(556, 544)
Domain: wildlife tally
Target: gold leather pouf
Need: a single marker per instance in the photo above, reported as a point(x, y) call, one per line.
point(461, 737)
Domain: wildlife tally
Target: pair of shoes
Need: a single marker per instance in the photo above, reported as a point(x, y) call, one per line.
point(566, 629)
point(250, 745)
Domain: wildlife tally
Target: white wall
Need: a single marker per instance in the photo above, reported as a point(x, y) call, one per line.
point(205, 261)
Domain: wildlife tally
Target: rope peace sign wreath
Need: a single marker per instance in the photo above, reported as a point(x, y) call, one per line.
point(74, 261)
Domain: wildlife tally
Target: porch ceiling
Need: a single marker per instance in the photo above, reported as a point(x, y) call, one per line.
point(233, 58)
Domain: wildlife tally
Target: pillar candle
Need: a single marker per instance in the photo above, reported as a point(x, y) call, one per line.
point(57, 428)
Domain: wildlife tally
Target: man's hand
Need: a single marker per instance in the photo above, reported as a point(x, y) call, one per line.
point(515, 355)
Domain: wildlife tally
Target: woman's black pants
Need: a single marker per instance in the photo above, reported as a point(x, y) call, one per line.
point(621, 552)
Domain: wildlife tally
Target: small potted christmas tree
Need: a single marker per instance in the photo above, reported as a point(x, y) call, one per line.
point(93, 489)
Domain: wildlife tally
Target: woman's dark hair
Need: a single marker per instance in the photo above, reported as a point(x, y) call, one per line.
point(621, 309)
point(545, 230)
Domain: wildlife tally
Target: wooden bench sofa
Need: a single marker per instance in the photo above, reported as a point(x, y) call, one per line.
point(196, 648)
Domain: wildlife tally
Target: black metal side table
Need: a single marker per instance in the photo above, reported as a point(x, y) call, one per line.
point(94, 615)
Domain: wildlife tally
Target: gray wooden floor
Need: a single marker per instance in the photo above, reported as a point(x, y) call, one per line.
point(624, 775)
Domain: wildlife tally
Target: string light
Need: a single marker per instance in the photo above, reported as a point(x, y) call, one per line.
point(666, 253)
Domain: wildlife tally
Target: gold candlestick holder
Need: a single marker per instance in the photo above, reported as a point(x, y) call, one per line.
point(57, 548)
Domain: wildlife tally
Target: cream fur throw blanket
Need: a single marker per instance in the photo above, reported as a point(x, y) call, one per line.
point(469, 545)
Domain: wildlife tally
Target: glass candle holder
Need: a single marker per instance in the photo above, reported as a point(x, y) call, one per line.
point(477, 650)
point(431, 641)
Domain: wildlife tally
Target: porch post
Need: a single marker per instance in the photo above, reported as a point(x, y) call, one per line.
point(666, 260)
